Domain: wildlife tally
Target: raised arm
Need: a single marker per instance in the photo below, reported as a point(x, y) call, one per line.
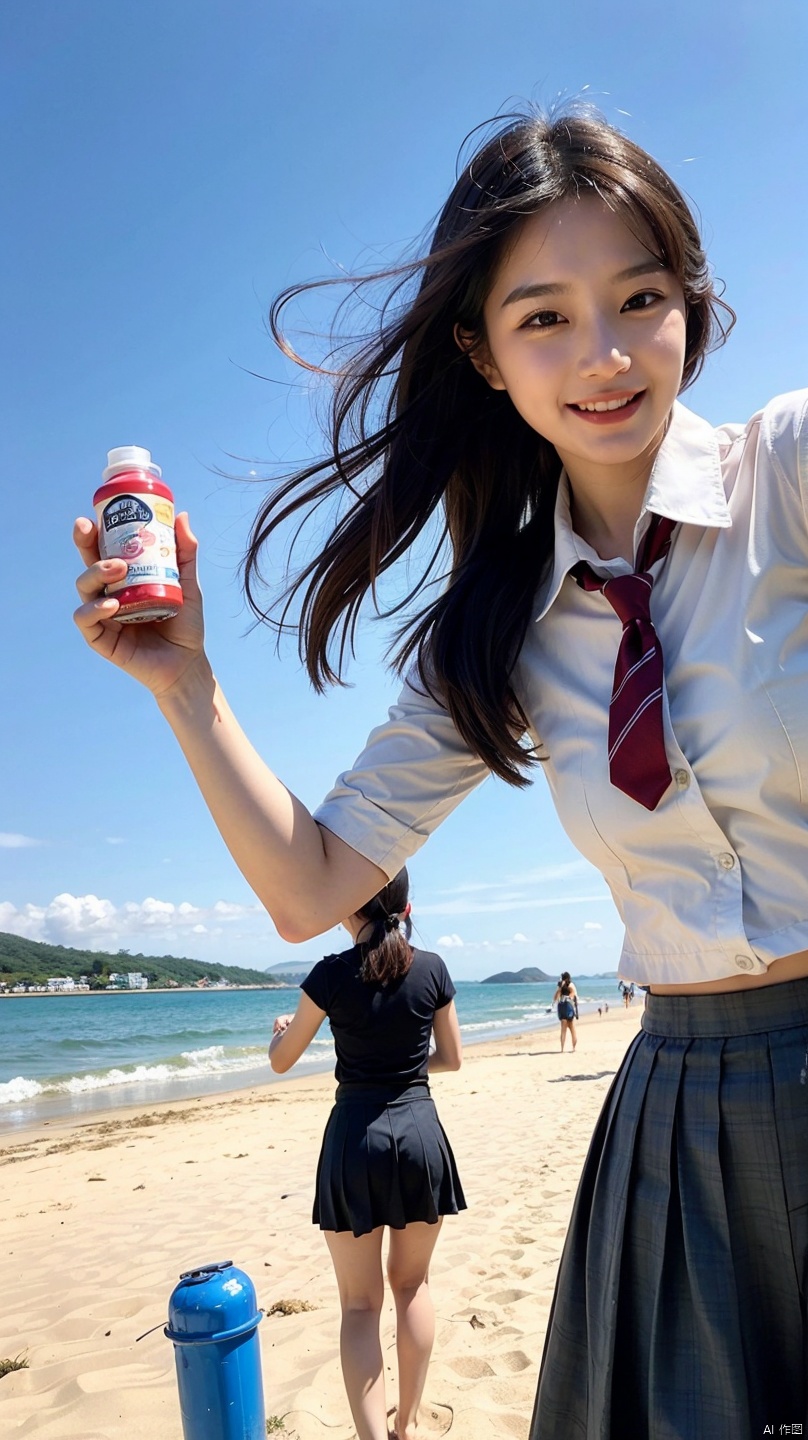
point(308, 872)
point(304, 875)
point(307, 877)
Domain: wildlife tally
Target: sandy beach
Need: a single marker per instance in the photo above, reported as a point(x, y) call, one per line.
point(98, 1219)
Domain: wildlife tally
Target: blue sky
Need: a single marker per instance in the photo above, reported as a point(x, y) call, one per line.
point(169, 166)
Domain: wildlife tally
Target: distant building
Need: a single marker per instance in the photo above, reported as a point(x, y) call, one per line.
point(62, 982)
point(133, 980)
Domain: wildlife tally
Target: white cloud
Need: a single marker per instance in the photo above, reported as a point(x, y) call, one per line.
point(592, 925)
point(223, 911)
point(523, 940)
point(450, 942)
point(26, 922)
point(114, 840)
point(88, 922)
point(9, 841)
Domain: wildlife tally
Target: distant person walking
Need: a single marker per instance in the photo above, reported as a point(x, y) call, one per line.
point(385, 1159)
point(566, 1002)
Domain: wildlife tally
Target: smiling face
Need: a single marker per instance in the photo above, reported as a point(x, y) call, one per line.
point(586, 332)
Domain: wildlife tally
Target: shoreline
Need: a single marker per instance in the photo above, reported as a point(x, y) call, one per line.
point(150, 990)
point(219, 989)
point(103, 1103)
point(255, 1091)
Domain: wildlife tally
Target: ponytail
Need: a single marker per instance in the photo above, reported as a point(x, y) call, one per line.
point(387, 953)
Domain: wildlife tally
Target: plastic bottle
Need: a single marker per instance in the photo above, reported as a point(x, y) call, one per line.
point(135, 515)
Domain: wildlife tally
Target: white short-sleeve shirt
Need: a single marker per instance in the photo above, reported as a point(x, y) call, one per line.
point(714, 882)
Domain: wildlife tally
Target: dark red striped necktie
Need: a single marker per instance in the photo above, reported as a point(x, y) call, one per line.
point(638, 764)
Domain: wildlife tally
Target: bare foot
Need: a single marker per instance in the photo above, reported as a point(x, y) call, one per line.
point(410, 1432)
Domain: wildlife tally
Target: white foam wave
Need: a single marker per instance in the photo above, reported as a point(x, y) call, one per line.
point(83, 1084)
point(508, 1024)
point(309, 1058)
point(12, 1091)
point(512, 1022)
point(212, 1060)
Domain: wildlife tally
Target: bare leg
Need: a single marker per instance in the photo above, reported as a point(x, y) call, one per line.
point(408, 1271)
point(358, 1268)
point(573, 1032)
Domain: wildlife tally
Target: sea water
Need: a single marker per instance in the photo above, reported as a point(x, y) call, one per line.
point(78, 1054)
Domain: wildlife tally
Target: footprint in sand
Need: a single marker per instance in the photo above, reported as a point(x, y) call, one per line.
point(514, 1361)
point(514, 1424)
point(471, 1367)
point(435, 1420)
point(507, 1297)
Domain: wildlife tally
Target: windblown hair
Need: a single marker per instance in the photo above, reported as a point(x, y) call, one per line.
point(415, 433)
point(387, 953)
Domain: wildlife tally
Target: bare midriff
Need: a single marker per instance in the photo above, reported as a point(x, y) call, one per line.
point(789, 967)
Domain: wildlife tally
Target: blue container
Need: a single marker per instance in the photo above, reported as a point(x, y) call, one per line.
point(213, 1321)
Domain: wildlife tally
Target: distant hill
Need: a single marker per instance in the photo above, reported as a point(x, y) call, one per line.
point(32, 962)
point(286, 974)
point(528, 975)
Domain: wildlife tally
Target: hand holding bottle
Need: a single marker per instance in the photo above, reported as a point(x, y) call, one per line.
point(159, 656)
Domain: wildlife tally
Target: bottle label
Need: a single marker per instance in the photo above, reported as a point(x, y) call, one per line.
point(140, 530)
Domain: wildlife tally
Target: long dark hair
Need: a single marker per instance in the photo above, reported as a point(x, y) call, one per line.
point(386, 952)
point(415, 434)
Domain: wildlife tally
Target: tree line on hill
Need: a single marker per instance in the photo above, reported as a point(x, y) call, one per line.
point(32, 962)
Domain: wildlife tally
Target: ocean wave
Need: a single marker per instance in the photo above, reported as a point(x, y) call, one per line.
point(83, 1084)
point(211, 1055)
point(510, 1023)
point(190, 1065)
point(13, 1091)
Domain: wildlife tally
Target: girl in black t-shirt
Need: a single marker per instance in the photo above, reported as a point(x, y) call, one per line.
point(385, 1158)
point(566, 999)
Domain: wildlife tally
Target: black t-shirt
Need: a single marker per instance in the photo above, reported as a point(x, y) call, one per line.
point(381, 1031)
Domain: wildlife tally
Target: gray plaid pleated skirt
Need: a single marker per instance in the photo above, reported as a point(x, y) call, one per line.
point(385, 1160)
point(680, 1304)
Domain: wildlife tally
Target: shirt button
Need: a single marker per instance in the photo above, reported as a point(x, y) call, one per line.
point(682, 779)
point(726, 861)
point(744, 962)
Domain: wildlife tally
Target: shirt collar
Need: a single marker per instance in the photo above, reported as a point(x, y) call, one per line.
point(686, 484)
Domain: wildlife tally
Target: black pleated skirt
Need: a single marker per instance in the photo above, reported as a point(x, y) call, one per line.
point(680, 1305)
point(385, 1160)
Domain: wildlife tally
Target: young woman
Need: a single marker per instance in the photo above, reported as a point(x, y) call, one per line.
point(566, 1002)
point(385, 1159)
point(626, 609)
